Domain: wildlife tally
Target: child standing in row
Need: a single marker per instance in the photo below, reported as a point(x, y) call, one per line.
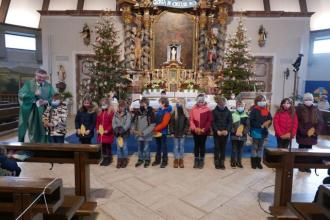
point(105, 131)
point(260, 121)
point(121, 124)
point(54, 119)
point(179, 126)
point(200, 124)
point(285, 123)
point(143, 126)
point(221, 125)
point(241, 127)
point(85, 121)
point(163, 117)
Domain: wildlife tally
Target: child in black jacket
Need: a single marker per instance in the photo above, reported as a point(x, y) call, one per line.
point(85, 122)
point(221, 125)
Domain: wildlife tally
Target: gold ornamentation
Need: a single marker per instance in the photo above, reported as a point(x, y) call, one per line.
point(146, 19)
point(127, 15)
point(223, 15)
point(202, 20)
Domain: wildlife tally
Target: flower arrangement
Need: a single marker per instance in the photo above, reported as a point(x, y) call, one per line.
point(156, 84)
point(188, 84)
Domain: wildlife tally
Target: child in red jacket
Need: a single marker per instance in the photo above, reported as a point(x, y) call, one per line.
point(200, 126)
point(105, 131)
point(285, 123)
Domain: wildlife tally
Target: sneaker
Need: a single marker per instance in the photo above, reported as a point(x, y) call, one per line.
point(201, 164)
point(233, 164)
point(163, 164)
point(119, 163)
point(196, 163)
point(217, 164)
point(124, 163)
point(239, 164)
point(139, 163)
point(222, 165)
point(105, 162)
point(146, 163)
point(155, 163)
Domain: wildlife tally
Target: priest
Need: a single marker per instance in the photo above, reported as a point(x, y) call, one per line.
point(33, 98)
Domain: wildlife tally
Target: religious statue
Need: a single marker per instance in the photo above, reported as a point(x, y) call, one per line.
point(211, 58)
point(61, 85)
point(86, 34)
point(262, 36)
point(61, 74)
point(137, 50)
point(173, 53)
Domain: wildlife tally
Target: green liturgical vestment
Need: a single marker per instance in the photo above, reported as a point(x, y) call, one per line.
point(30, 115)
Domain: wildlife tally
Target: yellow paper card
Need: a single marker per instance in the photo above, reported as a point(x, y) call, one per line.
point(82, 130)
point(240, 129)
point(101, 130)
point(120, 142)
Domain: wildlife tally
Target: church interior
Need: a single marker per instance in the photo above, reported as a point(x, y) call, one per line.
point(66, 65)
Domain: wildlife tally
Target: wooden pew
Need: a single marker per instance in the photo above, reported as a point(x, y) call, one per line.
point(284, 162)
point(320, 210)
point(16, 194)
point(81, 155)
point(8, 116)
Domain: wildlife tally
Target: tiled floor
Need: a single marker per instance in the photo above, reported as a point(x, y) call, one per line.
point(179, 194)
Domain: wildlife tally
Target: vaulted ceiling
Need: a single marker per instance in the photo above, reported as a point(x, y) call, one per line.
point(25, 12)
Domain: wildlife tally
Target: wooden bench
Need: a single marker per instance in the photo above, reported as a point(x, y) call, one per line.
point(68, 208)
point(8, 116)
point(17, 193)
point(81, 155)
point(284, 162)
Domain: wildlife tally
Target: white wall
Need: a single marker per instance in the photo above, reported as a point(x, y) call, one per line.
point(61, 41)
point(286, 38)
point(250, 5)
point(320, 20)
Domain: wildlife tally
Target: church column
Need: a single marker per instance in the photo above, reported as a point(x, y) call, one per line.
point(146, 40)
point(128, 38)
point(224, 7)
point(202, 38)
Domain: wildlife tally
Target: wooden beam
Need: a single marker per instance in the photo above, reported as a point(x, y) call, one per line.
point(303, 6)
point(266, 5)
point(80, 5)
point(45, 5)
point(4, 10)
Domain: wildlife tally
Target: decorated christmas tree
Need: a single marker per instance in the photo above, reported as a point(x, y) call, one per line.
point(239, 64)
point(106, 71)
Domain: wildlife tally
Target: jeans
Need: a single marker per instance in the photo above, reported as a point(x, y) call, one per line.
point(161, 148)
point(178, 149)
point(144, 150)
point(199, 148)
point(106, 150)
point(57, 139)
point(220, 143)
point(122, 152)
point(236, 150)
point(257, 147)
point(282, 143)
